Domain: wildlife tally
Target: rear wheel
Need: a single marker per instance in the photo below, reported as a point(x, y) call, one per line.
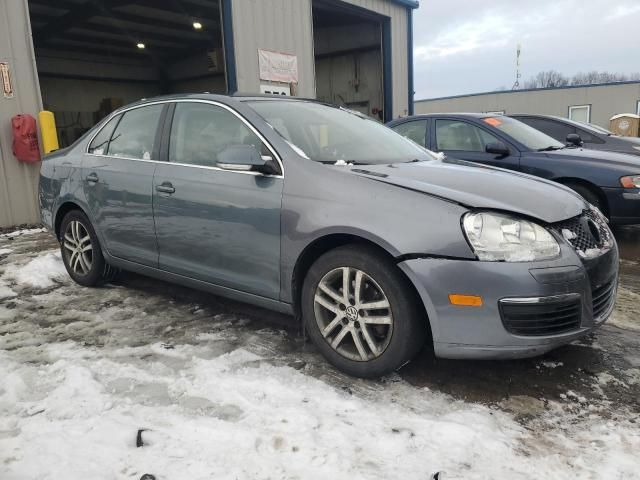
point(361, 312)
point(81, 251)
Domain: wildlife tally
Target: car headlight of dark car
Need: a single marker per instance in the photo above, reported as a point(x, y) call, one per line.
point(496, 237)
point(632, 181)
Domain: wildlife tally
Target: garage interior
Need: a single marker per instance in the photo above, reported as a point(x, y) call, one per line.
point(348, 44)
point(94, 56)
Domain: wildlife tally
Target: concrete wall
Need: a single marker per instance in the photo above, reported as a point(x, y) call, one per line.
point(287, 26)
point(605, 101)
point(18, 181)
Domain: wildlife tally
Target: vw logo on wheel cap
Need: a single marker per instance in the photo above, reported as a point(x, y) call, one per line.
point(351, 313)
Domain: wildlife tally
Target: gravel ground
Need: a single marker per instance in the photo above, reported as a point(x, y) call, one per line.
point(225, 390)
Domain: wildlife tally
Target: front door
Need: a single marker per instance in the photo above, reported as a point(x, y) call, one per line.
point(222, 227)
point(466, 141)
point(117, 177)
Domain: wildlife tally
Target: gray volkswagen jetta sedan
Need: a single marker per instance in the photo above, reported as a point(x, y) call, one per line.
point(378, 245)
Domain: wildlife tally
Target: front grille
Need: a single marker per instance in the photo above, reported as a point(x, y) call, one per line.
point(544, 318)
point(587, 232)
point(602, 298)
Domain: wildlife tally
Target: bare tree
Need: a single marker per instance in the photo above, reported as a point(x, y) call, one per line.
point(547, 79)
point(594, 77)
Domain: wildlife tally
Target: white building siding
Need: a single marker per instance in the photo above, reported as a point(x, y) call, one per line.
point(18, 181)
point(280, 25)
point(605, 100)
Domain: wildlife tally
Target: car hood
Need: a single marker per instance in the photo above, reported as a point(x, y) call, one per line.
point(479, 186)
point(623, 161)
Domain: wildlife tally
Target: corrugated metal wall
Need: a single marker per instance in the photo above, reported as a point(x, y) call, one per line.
point(605, 100)
point(287, 26)
point(18, 182)
point(280, 25)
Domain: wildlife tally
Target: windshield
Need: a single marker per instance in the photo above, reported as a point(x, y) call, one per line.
point(334, 135)
point(526, 135)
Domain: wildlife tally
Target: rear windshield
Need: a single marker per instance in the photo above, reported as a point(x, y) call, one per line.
point(330, 134)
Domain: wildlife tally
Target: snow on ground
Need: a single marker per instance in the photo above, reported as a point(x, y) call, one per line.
point(18, 233)
point(43, 271)
point(223, 396)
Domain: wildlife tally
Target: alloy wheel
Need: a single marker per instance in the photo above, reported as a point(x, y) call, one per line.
point(78, 248)
point(353, 314)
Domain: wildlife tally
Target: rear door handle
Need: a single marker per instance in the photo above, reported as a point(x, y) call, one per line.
point(92, 178)
point(166, 187)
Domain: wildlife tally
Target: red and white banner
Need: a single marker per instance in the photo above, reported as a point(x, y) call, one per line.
point(278, 67)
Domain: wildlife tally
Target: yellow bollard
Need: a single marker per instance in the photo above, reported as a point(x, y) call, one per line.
point(48, 131)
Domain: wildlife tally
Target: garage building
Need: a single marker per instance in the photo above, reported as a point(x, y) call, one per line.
point(81, 59)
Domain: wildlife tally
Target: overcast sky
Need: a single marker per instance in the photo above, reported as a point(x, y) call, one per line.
point(468, 46)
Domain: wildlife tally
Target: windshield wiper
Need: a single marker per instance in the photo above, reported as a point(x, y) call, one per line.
point(550, 148)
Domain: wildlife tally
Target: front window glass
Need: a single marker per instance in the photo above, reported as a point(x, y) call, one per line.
point(330, 134)
point(100, 143)
point(415, 131)
point(524, 134)
point(462, 136)
point(134, 136)
point(201, 132)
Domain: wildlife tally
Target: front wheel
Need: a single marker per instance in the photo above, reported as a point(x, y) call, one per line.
point(588, 194)
point(361, 312)
point(81, 253)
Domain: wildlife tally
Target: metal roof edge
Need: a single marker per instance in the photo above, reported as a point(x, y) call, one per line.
point(407, 3)
point(569, 87)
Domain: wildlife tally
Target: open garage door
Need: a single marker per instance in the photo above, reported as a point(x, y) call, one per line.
point(94, 56)
point(350, 57)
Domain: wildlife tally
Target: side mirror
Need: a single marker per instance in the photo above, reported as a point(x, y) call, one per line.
point(574, 139)
point(245, 158)
point(497, 148)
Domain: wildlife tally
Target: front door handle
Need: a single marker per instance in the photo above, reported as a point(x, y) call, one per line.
point(92, 178)
point(166, 187)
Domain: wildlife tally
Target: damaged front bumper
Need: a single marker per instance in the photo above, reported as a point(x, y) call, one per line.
point(527, 308)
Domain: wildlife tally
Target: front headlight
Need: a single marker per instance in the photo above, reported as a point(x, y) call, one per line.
point(496, 237)
point(631, 182)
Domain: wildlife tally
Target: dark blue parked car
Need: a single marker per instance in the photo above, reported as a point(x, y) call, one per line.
point(610, 181)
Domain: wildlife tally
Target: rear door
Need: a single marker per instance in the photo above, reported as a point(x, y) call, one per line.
point(554, 129)
point(214, 225)
point(415, 130)
point(117, 175)
point(467, 141)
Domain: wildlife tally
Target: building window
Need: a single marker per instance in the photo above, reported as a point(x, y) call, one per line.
point(580, 113)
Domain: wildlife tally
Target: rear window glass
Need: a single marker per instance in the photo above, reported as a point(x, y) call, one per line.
point(100, 143)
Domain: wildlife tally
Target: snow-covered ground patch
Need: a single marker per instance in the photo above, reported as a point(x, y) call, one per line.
point(18, 233)
point(43, 271)
point(5, 251)
point(220, 394)
point(239, 415)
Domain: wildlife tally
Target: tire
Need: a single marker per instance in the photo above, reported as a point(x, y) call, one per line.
point(588, 194)
point(88, 268)
point(389, 332)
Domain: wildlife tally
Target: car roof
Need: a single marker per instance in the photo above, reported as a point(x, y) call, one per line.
point(478, 116)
